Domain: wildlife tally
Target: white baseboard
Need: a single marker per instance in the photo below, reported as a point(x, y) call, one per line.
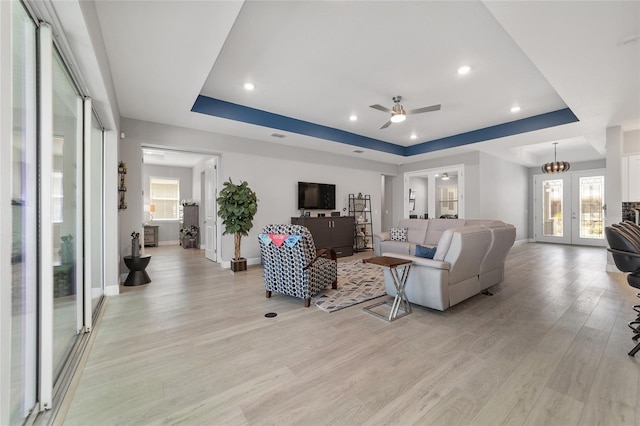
point(525, 241)
point(111, 290)
point(169, 243)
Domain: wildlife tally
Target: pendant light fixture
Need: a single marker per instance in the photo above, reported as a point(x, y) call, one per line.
point(556, 166)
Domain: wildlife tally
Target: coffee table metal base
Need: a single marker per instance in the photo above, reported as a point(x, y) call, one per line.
point(400, 301)
point(391, 317)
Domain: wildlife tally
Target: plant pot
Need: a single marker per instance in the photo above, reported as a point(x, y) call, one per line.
point(238, 265)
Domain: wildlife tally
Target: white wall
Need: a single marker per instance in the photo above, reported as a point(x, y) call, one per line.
point(631, 144)
point(505, 193)
point(271, 170)
point(275, 183)
point(387, 203)
point(131, 218)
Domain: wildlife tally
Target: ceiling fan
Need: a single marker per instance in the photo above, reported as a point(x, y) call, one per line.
point(398, 114)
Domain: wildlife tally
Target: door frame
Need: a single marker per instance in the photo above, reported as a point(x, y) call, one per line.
point(430, 175)
point(570, 212)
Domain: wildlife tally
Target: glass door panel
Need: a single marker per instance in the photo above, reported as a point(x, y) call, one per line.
point(588, 211)
point(24, 259)
point(66, 199)
point(552, 208)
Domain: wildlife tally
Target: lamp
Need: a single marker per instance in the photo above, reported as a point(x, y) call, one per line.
point(398, 115)
point(556, 166)
point(152, 209)
point(445, 176)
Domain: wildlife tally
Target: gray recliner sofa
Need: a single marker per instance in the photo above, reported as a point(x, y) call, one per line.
point(469, 258)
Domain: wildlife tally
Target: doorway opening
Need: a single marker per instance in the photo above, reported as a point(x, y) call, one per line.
point(179, 199)
point(434, 193)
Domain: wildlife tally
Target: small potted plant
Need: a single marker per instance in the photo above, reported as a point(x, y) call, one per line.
point(237, 205)
point(189, 235)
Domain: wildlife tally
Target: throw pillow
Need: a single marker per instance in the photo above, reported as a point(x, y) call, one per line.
point(398, 234)
point(427, 252)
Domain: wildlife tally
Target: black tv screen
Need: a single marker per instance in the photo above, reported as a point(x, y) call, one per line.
point(316, 196)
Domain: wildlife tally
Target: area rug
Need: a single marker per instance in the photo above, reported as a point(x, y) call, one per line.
point(357, 283)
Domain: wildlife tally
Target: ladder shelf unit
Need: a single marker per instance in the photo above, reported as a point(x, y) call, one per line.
point(360, 209)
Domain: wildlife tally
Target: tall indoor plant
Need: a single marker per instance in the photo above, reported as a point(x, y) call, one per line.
point(237, 204)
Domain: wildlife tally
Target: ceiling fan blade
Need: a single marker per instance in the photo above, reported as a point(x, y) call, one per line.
point(387, 124)
point(380, 108)
point(425, 109)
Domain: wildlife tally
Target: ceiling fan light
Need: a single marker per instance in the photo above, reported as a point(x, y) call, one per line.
point(397, 117)
point(397, 114)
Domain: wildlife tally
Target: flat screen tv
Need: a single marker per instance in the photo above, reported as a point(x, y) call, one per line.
point(316, 196)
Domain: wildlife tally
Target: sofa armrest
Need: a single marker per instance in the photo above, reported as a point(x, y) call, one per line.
point(421, 261)
point(382, 236)
point(377, 239)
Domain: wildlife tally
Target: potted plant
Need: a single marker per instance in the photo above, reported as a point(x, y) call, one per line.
point(237, 204)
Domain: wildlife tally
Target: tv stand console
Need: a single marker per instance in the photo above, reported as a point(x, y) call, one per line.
point(335, 232)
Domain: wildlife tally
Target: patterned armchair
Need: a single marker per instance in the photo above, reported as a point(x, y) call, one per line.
point(292, 266)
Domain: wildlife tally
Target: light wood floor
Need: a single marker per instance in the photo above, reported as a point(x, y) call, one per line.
point(194, 348)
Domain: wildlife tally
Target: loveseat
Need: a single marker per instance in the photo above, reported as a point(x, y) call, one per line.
point(469, 257)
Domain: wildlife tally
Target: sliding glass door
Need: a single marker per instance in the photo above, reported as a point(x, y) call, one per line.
point(24, 252)
point(56, 156)
point(66, 220)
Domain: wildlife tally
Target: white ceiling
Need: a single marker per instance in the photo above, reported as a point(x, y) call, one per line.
point(323, 61)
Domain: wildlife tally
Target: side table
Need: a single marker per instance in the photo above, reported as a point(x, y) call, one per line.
point(399, 281)
point(137, 274)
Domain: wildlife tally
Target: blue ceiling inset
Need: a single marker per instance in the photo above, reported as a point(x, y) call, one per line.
point(231, 111)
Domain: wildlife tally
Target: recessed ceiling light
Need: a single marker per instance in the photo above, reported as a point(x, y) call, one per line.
point(414, 136)
point(249, 86)
point(353, 117)
point(515, 108)
point(464, 69)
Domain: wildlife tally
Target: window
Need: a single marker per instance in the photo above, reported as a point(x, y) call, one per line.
point(165, 198)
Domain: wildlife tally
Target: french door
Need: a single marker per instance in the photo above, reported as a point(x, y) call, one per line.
point(569, 208)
